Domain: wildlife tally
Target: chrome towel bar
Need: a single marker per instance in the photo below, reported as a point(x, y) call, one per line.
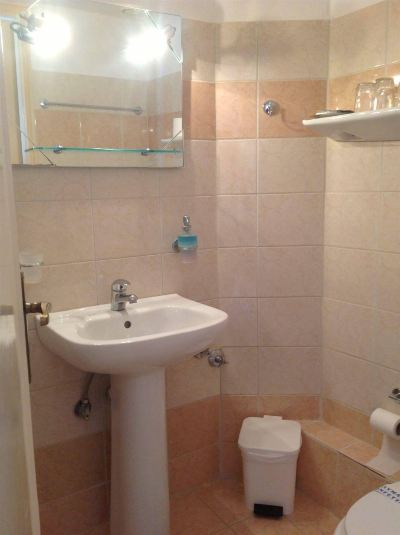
point(45, 104)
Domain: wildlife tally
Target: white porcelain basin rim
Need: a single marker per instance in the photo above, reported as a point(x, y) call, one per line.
point(163, 330)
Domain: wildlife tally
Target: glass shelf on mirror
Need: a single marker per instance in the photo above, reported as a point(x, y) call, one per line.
point(58, 149)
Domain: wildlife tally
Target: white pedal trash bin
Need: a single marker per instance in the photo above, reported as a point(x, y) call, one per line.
point(270, 447)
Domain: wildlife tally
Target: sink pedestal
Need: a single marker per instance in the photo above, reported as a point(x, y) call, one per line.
point(139, 465)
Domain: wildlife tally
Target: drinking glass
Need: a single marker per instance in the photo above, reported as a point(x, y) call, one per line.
point(365, 97)
point(384, 93)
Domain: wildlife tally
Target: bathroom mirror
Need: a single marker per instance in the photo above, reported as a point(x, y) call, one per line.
point(97, 84)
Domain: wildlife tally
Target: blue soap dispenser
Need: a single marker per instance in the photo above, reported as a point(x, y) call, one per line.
point(186, 243)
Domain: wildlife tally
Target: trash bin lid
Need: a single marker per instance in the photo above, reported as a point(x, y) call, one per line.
point(270, 435)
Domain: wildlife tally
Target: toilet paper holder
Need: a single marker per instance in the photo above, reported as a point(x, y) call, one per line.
point(395, 394)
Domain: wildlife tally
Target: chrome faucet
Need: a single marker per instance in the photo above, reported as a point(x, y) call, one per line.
point(119, 297)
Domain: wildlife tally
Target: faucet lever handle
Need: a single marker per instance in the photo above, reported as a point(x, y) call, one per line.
point(120, 285)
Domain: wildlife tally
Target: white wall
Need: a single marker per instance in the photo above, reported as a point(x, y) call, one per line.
point(343, 7)
point(231, 10)
point(235, 10)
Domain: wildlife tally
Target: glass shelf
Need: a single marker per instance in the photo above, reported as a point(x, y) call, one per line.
point(58, 149)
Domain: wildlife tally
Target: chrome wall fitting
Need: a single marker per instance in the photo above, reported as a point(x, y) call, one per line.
point(41, 308)
point(215, 357)
point(395, 394)
point(271, 107)
point(83, 407)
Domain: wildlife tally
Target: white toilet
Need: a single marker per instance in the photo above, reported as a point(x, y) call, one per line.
point(376, 513)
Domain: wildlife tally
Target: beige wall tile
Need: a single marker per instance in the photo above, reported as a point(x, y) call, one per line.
point(237, 220)
point(193, 469)
point(236, 272)
point(387, 344)
point(242, 325)
point(349, 328)
point(347, 419)
point(66, 286)
point(54, 128)
point(191, 381)
point(196, 280)
point(236, 51)
point(89, 507)
point(345, 378)
point(289, 271)
point(198, 41)
point(124, 183)
point(289, 321)
point(291, 165)
point(357, 40)
point(193, 426)
point(342, 90)
point(352, 482)
point(231, 461)
point(135, 131)
point(316, 470)
point(199, 110)
point(234, 410)
point(289, 370)
point(202, 211)
point(298, 100)
point(101, 130)
point(55, 479)
point(48, 369)
point(61, 231)
point(350, 219)
point(236, 110)
point(240, 374)
point(236, 166)
point(393, 40)
point(390, 166)
point(126, 227)
point(327, 434)
point(293, 49)
point(53, 417)
point(360, 452)
point(352, 275)
point(197, 177)
point(143, 272)
point(290, 219)
point(388, 282)
point(353, 166)
point(51, 184)
point(294, 407)
point(389, 223)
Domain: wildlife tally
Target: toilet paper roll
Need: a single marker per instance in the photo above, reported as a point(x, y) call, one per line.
point(386, 422)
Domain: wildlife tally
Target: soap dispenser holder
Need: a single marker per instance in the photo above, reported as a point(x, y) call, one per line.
point(185, 242)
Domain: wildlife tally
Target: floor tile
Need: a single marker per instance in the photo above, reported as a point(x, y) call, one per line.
point(226, 499)
point(190, 516)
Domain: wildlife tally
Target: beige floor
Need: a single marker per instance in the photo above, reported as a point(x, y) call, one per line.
point(219, 509)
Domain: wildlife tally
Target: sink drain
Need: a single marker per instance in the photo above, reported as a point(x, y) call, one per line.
point(127, 324)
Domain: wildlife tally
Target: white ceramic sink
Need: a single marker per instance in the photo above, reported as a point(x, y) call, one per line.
point(135, 346)
point(154, 332)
